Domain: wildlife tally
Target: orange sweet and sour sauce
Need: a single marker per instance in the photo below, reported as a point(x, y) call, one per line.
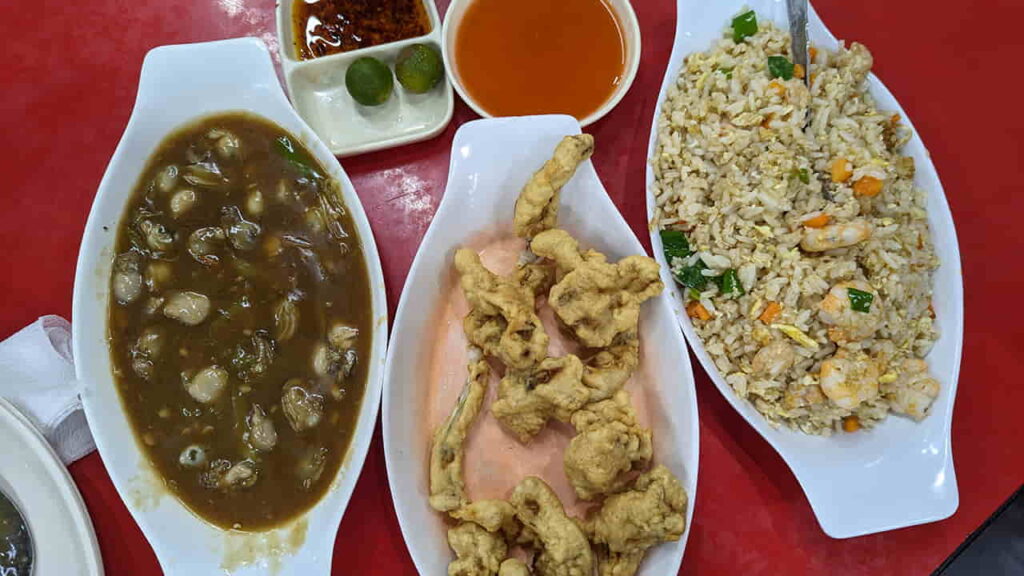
point(539, 56)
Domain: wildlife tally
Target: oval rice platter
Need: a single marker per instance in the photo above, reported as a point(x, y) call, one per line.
point(899, 473)
point(491, 160)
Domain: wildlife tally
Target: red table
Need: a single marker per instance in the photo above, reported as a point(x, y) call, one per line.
point(68, 85)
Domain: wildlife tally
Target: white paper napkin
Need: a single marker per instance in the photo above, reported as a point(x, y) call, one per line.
point(37, 376)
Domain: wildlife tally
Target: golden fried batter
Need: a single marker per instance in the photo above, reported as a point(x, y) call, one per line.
point(609, 444)
point(447, 489)
point(477, 551)
point(528, 399)
point(537, 205)
point(491, 515)
point(563, 549)
point(607, 371)
point(629, 523)
point(513, 567)
point(537, 277)
point(596, 300)
point(502, 320)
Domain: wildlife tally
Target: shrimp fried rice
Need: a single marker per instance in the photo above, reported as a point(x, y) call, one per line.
point(792, 220)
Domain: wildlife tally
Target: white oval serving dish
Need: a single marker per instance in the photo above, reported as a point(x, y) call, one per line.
point(180, 84)
point(42, 489)
point(901, 473)
point(624, 15)
point(491, 160)
point(317, 89)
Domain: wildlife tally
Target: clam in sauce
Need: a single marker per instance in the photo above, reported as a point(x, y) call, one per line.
point(240, 321)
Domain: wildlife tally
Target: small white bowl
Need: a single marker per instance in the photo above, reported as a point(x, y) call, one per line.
point(624, 15)
point(317, 89)
point(180, 84)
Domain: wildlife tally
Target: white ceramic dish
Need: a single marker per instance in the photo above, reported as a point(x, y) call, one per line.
point(180, 84)
point(40, 486)
point(490, 162)
point(629, 27)
point(901, 473)
point(317, 89)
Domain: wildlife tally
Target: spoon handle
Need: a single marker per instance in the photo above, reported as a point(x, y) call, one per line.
point(797, 10)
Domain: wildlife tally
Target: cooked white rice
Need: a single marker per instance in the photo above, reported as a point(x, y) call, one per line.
point(731, 158)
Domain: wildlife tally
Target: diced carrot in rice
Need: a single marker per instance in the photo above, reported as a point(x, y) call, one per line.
point(771, 312)
point(841, 170)
point(867, 186)
point(851, 424)
point(697, 310)
point(819, 221)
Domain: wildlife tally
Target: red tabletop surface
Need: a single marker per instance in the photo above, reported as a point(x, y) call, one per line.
point(67, 85)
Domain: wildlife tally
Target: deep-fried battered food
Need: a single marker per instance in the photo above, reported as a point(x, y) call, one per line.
point(596, 300)
point(563, 549)
point(528, 399)
point(537, 205)
point(607, 371)
point(537, 277)
point(513, 567)
point(609, 444)
point(491, 515)
point(629, 523)
point(477, 551)
point(599, 304)
point(447, 489)
point(503, 320)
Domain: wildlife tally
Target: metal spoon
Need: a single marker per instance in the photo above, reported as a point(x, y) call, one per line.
point(15, 540)
point(801, 44)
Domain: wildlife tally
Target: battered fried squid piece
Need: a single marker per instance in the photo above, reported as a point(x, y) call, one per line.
point(513, 567)
point(562, 548)
point(447, 490)
point(478, 552)
point(537, 277)
point(491, 515)
point(609, 444)
point(629, 523)
point(503, 320)
point(528, 399)
point(596, 300)
point(606, 372)
point(537, 205)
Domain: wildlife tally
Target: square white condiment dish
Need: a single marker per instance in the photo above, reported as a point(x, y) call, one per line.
point(900, 473)
point(491, 161)
point(178, 85)
point(317, 89)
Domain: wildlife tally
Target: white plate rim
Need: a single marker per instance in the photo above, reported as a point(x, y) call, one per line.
point(48, 465)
